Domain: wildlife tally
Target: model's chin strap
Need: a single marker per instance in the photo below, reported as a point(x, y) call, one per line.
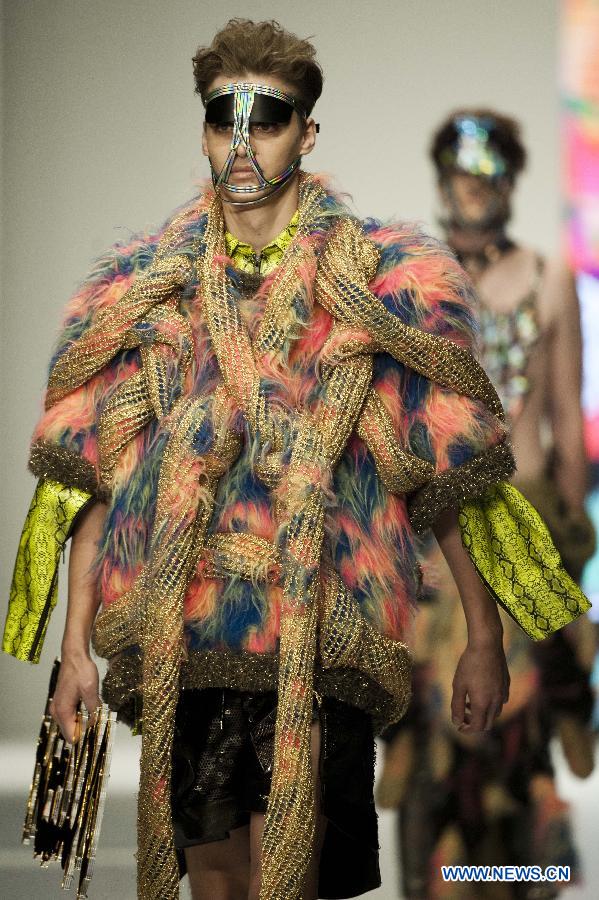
point(272, 186)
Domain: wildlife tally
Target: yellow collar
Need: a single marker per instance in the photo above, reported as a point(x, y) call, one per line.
point(246, 259)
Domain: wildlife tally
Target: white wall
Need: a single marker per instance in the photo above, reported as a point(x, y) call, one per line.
point(102, 134)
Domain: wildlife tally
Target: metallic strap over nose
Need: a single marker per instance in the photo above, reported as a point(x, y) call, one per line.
point(244, 101)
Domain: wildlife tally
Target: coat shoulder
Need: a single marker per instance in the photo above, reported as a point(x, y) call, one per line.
point(420, 280)
point(115, 270)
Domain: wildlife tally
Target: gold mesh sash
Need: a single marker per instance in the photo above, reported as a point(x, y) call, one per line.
point(399, 470)
point(184, 509)
point(146, 394)
point(289, 826)
point(349, 263)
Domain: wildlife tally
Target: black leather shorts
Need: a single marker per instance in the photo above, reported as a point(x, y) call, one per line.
point(222, 763)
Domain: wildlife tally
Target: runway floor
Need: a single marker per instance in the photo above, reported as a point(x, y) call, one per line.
point(21, 878)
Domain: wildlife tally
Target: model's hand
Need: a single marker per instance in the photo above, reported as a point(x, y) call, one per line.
point(480, 686)
point(78, 679)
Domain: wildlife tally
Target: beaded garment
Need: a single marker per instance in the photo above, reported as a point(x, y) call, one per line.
point(506, 342)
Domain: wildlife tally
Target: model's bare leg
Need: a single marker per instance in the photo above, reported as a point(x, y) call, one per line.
point(257, 828)
point(220, 870)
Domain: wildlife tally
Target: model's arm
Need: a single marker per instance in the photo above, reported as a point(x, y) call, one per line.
point(481, 681)
point(78, 677)
point(566, 377)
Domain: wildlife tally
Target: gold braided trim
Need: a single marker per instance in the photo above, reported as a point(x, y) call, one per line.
point(342, 288)
point(162, 324)
point(290, 817)
point(229, 337)
point(174, 237)
point(269, 469)
point(277, 321)
point(243, 555)
point(184, 509)
point(123, 416)
point(290, 820)
point(161, 643)
point(401, 472)
point(105, 337)
point(174, 331)
point(347, 640)
point(343, 343)
point(146, 394)
point(48, 460)
point(118, 626)
point(247, 556)
point(143, 395)
point(455, 486)
point(245, 671)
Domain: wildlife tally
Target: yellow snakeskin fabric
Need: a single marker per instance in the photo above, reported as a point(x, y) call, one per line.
point(263, 263)
point(513, 553)
point(34, 588)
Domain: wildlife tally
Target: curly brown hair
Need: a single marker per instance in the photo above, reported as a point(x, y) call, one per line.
point(505, 136)
point(261, 47)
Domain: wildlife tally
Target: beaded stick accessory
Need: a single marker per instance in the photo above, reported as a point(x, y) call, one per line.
point(68, 790)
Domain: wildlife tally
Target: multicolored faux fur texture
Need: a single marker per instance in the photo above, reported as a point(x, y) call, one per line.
point(369, 536)
point(71, 423)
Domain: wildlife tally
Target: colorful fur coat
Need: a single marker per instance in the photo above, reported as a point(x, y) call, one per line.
point(267, 451)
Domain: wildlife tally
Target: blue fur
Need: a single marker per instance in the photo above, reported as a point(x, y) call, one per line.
point(204, 437)
point(420, 442)
point(240, 608)
point(459, 453)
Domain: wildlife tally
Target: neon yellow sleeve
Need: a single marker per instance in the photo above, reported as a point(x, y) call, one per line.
point(512, 550)
point(34, 587)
